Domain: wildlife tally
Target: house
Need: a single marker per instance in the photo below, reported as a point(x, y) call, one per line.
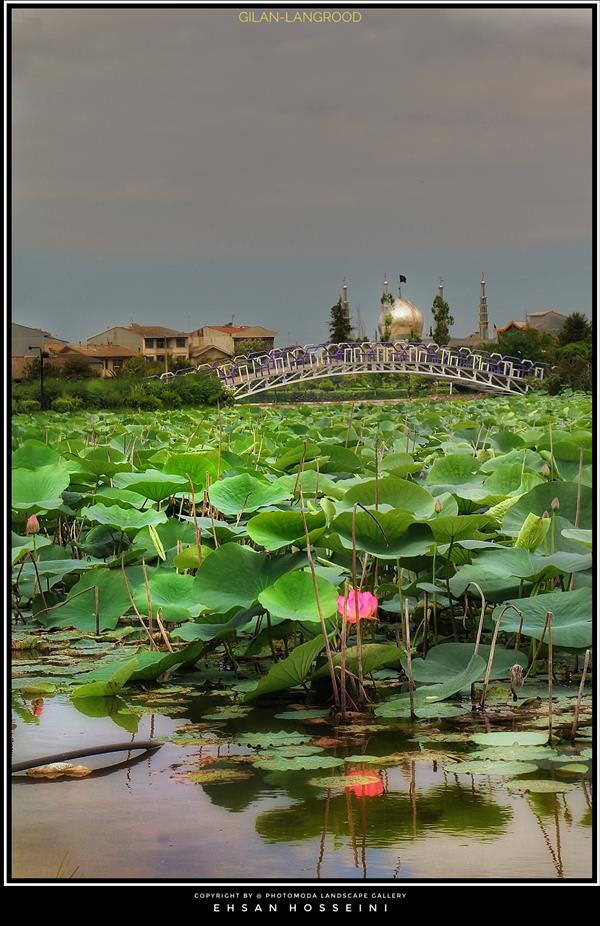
point(26, 344)
point(546, 322)
point(105, 360)
point(228, 339)
point(154, 342)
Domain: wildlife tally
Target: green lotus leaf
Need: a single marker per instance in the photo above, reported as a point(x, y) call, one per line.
point(374, 656)
point(389, 493)
point(34, 454)
point(448, 529)
point(571, 621)
point(234, 576)
point(387, 535)
point(276, 529)
point(123, 518)
point(428, 694)
point(514, 754)
point(303, 715)
point(539, 500)
point(289, 672)
point(583, 537)
point(114, 680)
point(194, 464)
point(448, 659)
point(151, 484)
point(20, 546)
point(454, 473)
point(337, 782)
point(171, 534)
point(172, 596)
point(79, 608)
point(40, 489)
point(292, 597)
point(244, 493)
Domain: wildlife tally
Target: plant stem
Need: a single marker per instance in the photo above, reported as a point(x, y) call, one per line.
point(409, 662)
point(311, 564)
point(586, 663)
point(549, 617)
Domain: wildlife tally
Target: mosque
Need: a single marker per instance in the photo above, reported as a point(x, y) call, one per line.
point(400, 319)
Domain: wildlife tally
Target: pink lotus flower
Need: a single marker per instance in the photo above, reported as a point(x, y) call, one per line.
point(373, 788)
point(359, 606)
point(33, 525)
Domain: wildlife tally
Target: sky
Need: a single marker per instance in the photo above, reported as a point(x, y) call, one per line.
point(180, 167)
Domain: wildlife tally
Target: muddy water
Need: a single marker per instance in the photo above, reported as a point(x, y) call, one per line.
point(144, 820)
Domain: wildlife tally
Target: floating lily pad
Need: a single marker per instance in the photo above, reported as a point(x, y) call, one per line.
point(260, 740)
point(515, 753)
point(573, 768)
point(440, 709)
point(540, 786)
point(491, 767)
point(296, 763)
point(214, 776)
point(509, 738)
point(337, 782)
point(289, 752)
point(302, 715)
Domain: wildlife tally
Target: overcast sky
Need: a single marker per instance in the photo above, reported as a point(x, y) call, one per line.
point(180, 167)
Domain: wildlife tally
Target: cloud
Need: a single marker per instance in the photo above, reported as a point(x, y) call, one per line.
point(182, 132)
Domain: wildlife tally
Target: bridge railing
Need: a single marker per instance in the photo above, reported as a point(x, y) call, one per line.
point(296, 359)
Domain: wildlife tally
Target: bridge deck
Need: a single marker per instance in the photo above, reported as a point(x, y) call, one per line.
point(473, 369)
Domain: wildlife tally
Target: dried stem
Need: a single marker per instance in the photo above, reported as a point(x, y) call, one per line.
point(586, 663)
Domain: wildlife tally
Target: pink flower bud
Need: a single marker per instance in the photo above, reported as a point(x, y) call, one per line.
point(545, 470)
point(438, 505)
point(33, 525)
point(555, 504)
point(546, 514)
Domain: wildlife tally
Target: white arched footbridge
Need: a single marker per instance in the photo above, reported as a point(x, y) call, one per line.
point(262, 371)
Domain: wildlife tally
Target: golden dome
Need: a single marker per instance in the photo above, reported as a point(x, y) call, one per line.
point(401, 319)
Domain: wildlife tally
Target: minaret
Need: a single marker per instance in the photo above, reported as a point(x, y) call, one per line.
point(483, 312)
point(440, 291)
point(385, 285)
point(345, 302)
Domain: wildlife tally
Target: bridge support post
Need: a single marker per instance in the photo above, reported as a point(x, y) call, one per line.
point(451, 388)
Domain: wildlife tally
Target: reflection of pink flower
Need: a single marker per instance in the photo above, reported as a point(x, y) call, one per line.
point(38, 707)
point(359, 606)
point(374, 787)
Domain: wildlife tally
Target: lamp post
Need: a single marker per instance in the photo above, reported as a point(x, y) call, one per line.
point(43, 354)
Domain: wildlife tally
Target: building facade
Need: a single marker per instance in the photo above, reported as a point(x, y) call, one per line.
point(216, 342)
point(153, 342)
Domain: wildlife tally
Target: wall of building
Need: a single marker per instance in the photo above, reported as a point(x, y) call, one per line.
point(121, 336)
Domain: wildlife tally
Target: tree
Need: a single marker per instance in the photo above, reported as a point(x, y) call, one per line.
point(443, 321)
point(250, 345)
point(576, 328)
point(527, 344)
point(340, 328)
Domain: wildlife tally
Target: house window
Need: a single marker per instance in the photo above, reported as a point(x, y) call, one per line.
point(148, 342)
point(180, 342)
point(160, 342)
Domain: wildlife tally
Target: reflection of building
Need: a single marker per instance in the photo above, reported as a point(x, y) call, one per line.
point(219, 342)
point(399, 318)
point(151, 341)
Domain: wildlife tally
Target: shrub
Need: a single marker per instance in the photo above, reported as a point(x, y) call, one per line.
point(67, 403)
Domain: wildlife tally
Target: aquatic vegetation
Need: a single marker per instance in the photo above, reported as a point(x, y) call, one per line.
point(317, 589)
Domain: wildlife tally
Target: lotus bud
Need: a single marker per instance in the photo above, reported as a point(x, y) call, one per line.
point(33, 525)
point(516, 675)
point(438, 505)
point(546, 514)
point(555, 504)
point(545, 470)
point(422, 474)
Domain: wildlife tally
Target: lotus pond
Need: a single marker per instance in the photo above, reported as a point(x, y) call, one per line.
point(360, 637)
